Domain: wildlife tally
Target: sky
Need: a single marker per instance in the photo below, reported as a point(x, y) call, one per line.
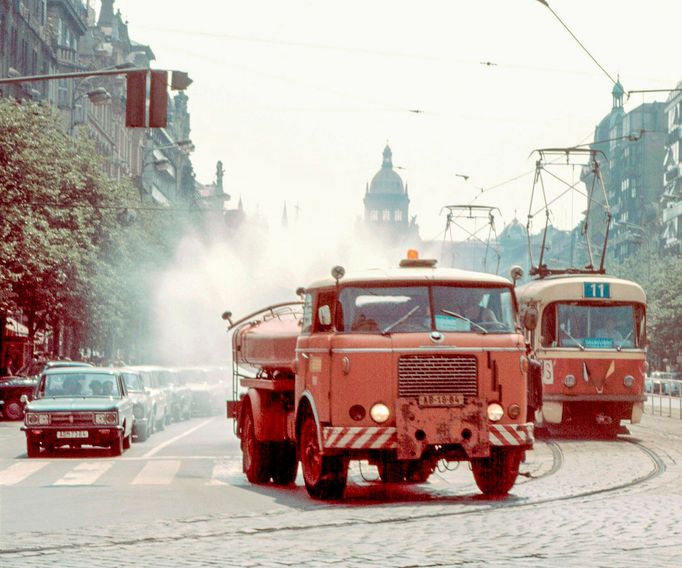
point(298, 98)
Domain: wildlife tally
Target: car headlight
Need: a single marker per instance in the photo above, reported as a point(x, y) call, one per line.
point(379, 412)
point(106, 418)
point(495, 412)
point(569, 381)
point(628, 380)
point(37, 419)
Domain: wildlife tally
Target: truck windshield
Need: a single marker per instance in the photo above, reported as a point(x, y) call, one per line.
point(593, 326)
point(404, 309)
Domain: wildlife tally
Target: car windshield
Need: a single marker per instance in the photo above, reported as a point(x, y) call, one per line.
point(133, 382)
point(400, 309)
point(79, 385)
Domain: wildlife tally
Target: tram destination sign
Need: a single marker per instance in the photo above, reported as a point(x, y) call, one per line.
point(596, 290)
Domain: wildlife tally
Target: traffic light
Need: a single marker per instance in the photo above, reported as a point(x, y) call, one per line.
point(140, 84)
point(158, 99)
point(136, 99)
point(180, 81)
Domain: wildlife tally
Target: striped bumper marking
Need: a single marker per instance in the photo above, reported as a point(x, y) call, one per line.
point(360, 438)
point(511, 434)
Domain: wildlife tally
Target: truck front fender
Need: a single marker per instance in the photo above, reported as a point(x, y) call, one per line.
point(307, 404)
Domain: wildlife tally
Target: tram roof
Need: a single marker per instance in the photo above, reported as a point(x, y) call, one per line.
point(572, 286)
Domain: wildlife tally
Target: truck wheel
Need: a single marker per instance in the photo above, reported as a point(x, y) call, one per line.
point(13, 409)
point(254, 453)
point(325, 476)
point(495, 475)
point(285, 464)
point(32, 447)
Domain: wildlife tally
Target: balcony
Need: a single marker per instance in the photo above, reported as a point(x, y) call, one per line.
point(672, 173)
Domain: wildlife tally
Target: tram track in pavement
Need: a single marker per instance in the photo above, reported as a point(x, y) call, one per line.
point(279, 521)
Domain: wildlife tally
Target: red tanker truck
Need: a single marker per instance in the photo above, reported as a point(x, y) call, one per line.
point(401, 367)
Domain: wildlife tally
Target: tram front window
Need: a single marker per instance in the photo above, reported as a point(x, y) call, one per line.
point(592, 326)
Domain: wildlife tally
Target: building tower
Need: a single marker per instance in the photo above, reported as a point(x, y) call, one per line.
point(387, 203)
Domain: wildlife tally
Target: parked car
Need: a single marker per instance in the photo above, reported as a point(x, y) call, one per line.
point(209, 389)
point(11, 391)
point(13, 388)
point(143, 405)
point(179, 395)
point(158, 392)
point(77, 407)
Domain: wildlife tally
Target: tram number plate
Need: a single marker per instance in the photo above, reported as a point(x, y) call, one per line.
point(441, 399)
point(73, 434)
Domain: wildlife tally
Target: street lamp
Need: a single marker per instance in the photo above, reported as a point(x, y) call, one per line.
point(97, 96)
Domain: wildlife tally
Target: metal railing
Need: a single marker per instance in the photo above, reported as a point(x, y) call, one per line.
point(664, 398)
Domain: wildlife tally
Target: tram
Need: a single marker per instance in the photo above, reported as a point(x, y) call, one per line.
point(586, 328)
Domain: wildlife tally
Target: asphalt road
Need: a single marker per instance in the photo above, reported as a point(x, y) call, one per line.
point(180, 499)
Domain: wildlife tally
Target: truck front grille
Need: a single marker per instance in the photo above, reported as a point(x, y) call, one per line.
point(437, 374)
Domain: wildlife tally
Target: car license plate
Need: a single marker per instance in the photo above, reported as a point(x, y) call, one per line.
point(441, 399)
point(73, 434)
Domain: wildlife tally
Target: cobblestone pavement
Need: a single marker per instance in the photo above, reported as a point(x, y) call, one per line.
point(575, 507)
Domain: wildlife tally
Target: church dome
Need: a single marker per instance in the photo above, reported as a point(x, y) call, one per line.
point(514, 231)
point(386, 180)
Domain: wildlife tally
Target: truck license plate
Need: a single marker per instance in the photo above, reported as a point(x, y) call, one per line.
point(441, 399)
point(73, 434)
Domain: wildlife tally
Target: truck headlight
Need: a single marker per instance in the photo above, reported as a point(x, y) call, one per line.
point(495, 412)
point(37, 419)
point(379, 412)
point(569, 381)
point(107, 418)
point(628, 381)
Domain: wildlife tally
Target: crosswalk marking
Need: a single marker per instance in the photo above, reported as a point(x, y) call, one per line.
point(224, 470)
point(159, 472)
point(19, 471)
point(84, 473)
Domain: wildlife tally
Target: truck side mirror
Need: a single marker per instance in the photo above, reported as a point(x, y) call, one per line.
point(530, 318)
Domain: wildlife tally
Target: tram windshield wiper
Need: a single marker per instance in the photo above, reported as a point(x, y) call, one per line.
point(580, 345)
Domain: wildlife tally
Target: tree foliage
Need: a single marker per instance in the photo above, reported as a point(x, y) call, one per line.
point(66, 260)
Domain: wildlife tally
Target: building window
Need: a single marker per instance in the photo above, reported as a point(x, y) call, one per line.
point(386, 215)
point(398, 215)
point(373, 215)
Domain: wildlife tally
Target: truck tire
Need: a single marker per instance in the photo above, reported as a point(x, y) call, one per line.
point(325, 476)
point(13, 409)
point(495, 475)
point(32, 447)
point(255, 462)
point(285, 465)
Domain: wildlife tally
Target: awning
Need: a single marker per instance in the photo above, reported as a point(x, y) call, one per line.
point(13, 327)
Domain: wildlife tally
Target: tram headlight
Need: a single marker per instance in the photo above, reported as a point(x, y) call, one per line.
point(379, 412)
point(569, 381)
point(628, 381)
point(495, 412)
